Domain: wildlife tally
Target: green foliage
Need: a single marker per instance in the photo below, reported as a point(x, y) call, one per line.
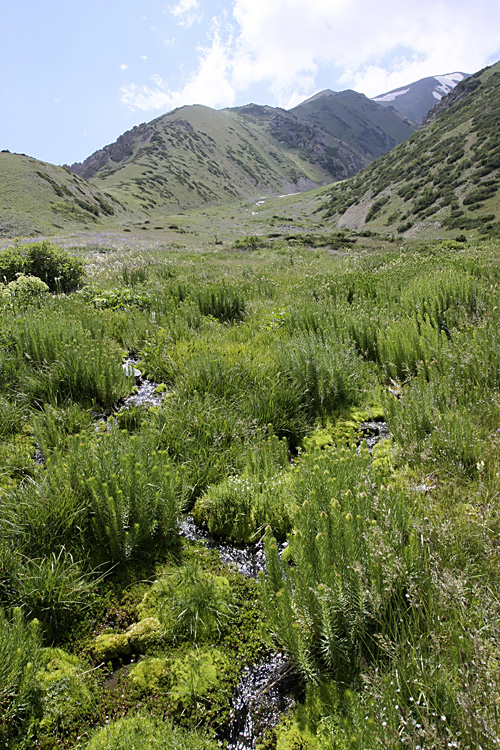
point(135, 495)
point(239, 507)
point(191, 603)
point(384, 592)
point(325, 374)
point(53, 589)
point(137, 732)
point(194, 676)
point(59, 356)
point(24, 289)
point(58, 269)
point(119, 298)
point(221, 301)
point(205, 435)
point(20, 661)
point(325, 607)
point(64, 688)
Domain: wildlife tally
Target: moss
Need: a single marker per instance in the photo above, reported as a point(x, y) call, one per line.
point(383, 456)
point(65, 691)
point(343, 429)
point(196, 674)
point(161, 388)
point(144, 634)
point(139, 732)
point(150, 674)
point(110, 646)
point(289, 735)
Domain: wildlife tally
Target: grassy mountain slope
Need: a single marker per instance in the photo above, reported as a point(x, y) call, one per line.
point(38, 198)
point(309, 141)
point(442, 181)
point(196, 155)
point(367, 127)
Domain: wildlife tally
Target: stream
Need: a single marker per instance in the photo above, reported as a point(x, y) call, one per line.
point(266, 689)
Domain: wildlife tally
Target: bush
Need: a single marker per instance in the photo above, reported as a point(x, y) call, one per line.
point(25, 289)
point(57, 268)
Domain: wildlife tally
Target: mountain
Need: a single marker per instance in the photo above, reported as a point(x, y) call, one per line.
point(195, 155)
point(443, 181)
point(416, 99)
point(368, 128)
point(39, 198)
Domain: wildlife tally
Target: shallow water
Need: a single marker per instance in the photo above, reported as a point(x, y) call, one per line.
point(145, 388)
point(373, 432)
point(247, 559)
point(263, 695)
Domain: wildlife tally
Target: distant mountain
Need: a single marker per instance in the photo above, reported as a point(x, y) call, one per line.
point(416, 99)
point(444, 180)
point(352, 118)
point(196, 155)
point(40, 198)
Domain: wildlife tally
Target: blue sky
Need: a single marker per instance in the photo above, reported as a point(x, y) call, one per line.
point(75, 75)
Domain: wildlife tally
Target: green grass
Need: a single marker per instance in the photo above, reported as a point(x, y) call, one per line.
point(267, 353)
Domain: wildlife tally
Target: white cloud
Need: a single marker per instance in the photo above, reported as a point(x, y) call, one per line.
point(289, 46)
point(123, 66)
point(210, 84)
point(185, 12)
point(285, 42)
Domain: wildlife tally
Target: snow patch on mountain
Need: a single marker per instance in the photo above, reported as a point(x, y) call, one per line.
point(391, 96)
point(446, 84)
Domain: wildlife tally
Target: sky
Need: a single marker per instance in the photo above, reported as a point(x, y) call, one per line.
point(74, 75)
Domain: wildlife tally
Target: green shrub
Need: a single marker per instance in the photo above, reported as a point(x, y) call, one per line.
point(61, 271)
point(24, 289)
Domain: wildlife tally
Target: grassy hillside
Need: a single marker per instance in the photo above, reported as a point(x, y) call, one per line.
point(196, 155)
point(39, 198)
point(444, 180)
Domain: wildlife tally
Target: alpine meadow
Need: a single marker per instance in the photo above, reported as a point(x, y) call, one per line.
point(250, 431)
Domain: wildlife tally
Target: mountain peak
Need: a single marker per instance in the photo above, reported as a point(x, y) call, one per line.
point(416, 99)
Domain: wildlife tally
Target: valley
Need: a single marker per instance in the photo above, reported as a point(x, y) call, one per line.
point(249, 466)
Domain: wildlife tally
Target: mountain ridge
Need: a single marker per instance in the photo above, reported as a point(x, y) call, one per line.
point(195, 155)
point(443, 181)
point(414, 100)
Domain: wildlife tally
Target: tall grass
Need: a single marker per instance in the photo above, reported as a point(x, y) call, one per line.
point(63, 359)
point(324, 373)
point(325, 606)
point(20, 660)
point(239, 507)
